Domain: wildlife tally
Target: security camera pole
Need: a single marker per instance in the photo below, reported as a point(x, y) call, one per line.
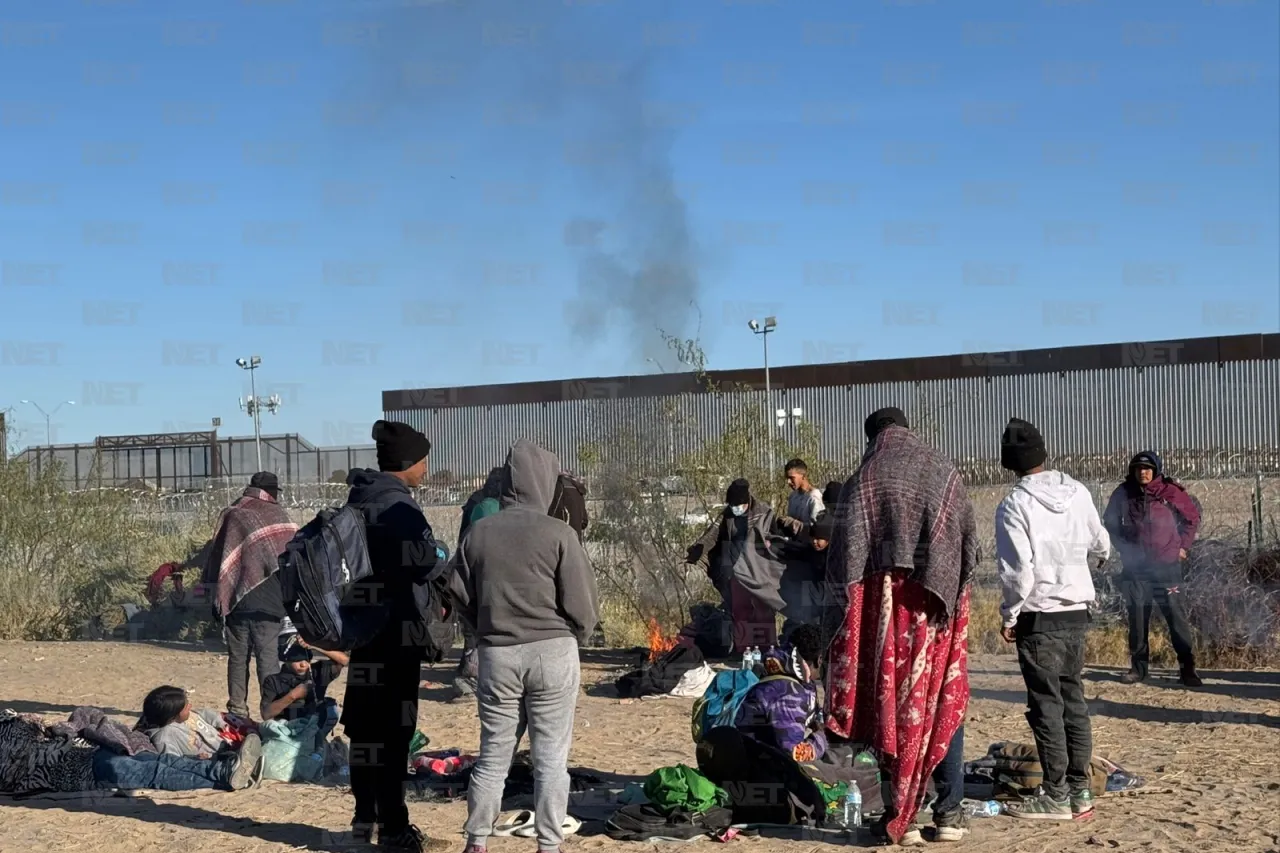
point(770, 323)
point(254, 405)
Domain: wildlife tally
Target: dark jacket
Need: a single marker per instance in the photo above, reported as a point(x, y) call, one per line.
point(569, 503)
point(521, 576)
point(743, 549)
point(402, 551)
point(1150, 524)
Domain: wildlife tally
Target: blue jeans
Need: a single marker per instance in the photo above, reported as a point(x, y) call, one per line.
point(159, 772)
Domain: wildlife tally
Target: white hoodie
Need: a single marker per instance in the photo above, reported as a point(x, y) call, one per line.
point(1047, 529)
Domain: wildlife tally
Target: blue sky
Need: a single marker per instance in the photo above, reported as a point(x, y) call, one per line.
point(375, 195)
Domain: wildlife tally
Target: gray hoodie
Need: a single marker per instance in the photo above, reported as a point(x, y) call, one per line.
point(521, 576)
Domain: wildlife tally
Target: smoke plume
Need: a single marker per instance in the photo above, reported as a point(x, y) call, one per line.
point(586, 74)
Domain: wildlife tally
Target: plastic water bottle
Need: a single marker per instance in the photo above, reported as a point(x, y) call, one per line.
point(756, 658)
point(746, 659)
point(983, 808)
point(853, 808)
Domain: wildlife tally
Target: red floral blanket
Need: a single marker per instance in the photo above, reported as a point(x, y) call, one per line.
point(899, 683)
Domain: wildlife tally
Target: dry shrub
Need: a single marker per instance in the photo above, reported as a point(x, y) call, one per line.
point(67, 557)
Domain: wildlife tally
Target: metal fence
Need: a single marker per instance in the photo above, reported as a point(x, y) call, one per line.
point(1227, 413)
point(178, 467)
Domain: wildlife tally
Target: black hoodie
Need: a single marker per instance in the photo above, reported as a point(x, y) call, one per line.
point(402, 548)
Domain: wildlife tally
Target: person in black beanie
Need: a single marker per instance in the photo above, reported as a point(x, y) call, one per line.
point(380, 710)
point(1047, 528)
point(878, 420)
point(741, 555)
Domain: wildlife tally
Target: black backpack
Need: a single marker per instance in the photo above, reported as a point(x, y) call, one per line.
point(570, 503)
point(320, 571)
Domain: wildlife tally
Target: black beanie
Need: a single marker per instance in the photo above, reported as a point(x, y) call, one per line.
point(823, 526)
point(878, 420)
point(267, 481)
point(400, 446)
point(1021, 446)
point(739, 493)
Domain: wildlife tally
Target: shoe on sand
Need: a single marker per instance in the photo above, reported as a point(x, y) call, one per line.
point(1041, 807)
point(912, 838)
point(1189, 678)
point(951, 827)
point(1082, 804)
point(247, 765)
point(1132, 677)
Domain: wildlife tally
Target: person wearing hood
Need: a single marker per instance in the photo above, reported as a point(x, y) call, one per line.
point(1047, 531)
point(483, 503)
point(380, 709)
point(523, 585)
point(741, 555)
point(1153, 522)
point(240, 577)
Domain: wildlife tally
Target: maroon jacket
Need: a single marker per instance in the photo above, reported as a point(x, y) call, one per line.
point(1150, 524)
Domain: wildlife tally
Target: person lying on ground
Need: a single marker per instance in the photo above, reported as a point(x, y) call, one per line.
point(33, 759)
point(168, 721)
point(782, 710)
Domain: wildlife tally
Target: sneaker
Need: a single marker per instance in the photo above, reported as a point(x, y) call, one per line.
point(912, 838)
point(1189, 677)
point(247, 764)
point(1041, 807)
point(1132, 677)
point(409, 840)
point(1082, 804)
point(362, 833)
point(951, 827)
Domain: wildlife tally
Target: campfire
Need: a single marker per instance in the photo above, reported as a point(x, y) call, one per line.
point(658, 644)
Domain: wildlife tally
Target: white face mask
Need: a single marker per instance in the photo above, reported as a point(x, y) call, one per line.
point(739, 510)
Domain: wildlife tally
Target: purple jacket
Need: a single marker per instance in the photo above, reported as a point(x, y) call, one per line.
point(1150, 524)
point(782, 710)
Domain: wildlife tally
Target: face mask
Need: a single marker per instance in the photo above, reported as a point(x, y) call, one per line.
point(739, 510)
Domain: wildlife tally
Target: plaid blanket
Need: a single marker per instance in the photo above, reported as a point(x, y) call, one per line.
point(252, 534)
point(903, 550)
point(905, 508)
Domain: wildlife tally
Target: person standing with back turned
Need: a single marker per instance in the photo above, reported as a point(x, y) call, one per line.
point(522, 582)
point(380, 711)
point(1047, 530)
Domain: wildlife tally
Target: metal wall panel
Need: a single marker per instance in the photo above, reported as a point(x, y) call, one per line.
point(1230, 408)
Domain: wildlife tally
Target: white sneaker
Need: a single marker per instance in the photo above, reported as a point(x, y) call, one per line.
point(912, 838)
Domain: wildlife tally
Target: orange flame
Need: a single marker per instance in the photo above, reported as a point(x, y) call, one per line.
point(658, 644)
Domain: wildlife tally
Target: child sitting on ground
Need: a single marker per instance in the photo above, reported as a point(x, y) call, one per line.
point(298, 689)
point(168, 721)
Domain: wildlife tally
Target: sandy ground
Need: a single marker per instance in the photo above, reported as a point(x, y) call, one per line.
point(1216, 750)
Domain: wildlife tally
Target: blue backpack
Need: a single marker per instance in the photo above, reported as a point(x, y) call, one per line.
point(720, 701)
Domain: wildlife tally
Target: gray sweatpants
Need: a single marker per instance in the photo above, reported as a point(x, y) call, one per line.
point(541, 679)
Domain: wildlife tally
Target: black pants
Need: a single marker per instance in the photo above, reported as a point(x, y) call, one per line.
point(1051, 656)
point(380, 714)
point(245, 635)
point(1160, 587)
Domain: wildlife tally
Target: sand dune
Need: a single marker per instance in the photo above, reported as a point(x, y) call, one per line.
point(1216, 751)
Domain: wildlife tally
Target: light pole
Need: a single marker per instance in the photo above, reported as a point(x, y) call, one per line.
point(255, 404)
point(48, 418)
point(763, 329)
